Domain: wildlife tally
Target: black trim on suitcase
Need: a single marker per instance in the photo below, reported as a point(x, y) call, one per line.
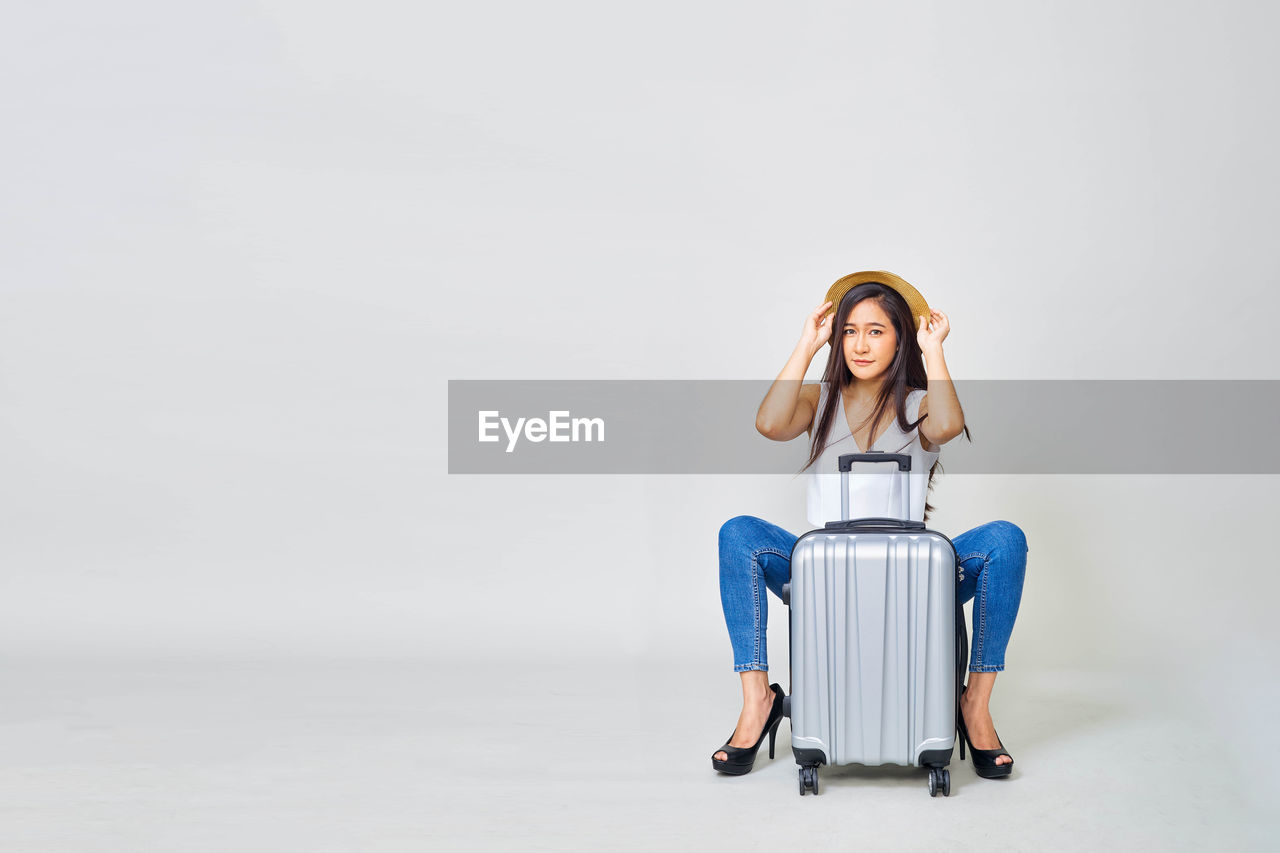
point(935, 757)
point(874, 525)
point(809, 757)
point(903, 460)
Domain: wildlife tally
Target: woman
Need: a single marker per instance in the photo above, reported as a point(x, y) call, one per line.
point(895, 394)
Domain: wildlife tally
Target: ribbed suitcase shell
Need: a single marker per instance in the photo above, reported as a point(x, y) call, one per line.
point(873, 646)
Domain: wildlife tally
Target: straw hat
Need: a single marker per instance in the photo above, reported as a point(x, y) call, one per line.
point(843, 285)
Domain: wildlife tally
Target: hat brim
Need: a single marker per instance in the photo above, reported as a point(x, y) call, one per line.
point(915, 301)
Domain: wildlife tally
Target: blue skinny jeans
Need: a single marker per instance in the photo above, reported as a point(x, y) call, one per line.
point(756, 555)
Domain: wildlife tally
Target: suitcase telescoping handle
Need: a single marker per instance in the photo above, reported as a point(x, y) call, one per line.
point(903, 461)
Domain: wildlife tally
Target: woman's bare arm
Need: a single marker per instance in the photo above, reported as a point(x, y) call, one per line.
point(946, 419)
point(788, 408)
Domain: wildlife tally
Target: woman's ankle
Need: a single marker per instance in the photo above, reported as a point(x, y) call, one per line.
point(755, 686)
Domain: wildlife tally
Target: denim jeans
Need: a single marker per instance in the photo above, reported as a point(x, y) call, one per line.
point(755, 556)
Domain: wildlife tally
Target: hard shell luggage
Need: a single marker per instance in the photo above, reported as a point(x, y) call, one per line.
point(878, 642)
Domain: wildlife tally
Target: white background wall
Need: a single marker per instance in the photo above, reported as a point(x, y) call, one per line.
point(247, 244)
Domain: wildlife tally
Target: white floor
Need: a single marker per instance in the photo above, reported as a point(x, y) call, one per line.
point(373, 756)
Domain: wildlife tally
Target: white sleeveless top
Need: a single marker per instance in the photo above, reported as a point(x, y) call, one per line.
point(875, 488)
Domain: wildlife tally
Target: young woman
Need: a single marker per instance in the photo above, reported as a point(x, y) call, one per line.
point(889, 390)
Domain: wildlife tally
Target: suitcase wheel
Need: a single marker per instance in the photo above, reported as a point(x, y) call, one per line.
point(939, 781)
point(808, 778)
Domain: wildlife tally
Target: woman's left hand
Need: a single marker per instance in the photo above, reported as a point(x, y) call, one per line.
point(934, 332)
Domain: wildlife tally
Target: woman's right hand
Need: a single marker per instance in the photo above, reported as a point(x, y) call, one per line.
point(817, 328)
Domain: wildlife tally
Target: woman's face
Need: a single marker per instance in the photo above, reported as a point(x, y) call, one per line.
point(868, 340)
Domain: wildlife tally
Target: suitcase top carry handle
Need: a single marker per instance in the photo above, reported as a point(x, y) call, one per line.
point(869, 524)
point(903, 461)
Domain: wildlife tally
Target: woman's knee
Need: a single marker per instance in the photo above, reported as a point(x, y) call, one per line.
point(1010, 536)
point(737, 531)
point(735, 524)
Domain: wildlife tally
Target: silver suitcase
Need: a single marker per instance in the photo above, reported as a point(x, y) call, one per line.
point(878, 643)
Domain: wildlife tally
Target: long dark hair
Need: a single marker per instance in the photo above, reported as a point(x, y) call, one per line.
point(905, 374)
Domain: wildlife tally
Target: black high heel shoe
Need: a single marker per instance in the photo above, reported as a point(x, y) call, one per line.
point(984, 760)
point(742, 759)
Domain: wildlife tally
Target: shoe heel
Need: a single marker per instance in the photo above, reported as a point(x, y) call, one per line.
point(962, 748)
point(773, 732)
